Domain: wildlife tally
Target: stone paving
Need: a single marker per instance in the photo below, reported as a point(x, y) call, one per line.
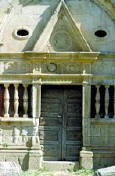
point(56, 173)
point(63, 174)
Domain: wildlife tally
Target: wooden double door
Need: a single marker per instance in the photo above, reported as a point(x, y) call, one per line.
point(61, 122)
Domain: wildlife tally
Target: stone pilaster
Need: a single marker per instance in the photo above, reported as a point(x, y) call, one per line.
point(86, 115)
point(86, 155)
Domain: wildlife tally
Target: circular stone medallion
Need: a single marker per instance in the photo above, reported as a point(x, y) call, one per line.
point(51, 67)
point(61, 41)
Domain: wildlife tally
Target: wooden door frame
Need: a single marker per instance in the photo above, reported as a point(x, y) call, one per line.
point(86, 103)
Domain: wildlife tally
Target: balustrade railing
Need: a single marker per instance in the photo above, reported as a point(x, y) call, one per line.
point(15, 100)
point(103, 101)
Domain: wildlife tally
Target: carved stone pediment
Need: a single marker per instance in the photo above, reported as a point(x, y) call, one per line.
point(62, 33)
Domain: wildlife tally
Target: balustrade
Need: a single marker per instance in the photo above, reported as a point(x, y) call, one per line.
point(21, 101)
point(104, 102)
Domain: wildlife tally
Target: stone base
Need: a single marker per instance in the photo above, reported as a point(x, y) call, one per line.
point(60, 165)
point(27, 159)
point(86, 159)
point(104, 158)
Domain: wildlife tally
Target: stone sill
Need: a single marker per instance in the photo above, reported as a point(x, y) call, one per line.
point(34, 151)
point(13, 119)
point(108, 121)
point(12, 148)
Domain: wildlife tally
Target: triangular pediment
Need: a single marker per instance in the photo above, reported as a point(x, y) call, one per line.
point(61, 33)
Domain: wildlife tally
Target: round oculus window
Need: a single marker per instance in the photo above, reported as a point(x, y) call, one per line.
point(100, 33)
point(21, 33)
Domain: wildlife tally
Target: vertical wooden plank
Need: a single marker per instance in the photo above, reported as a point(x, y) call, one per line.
point(72, 122)
point(64, 95)
point(51, 122)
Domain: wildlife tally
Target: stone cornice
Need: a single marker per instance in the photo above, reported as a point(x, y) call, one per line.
point(53, 57)
point(58, 56)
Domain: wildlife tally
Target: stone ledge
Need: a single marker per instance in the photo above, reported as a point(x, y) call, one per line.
point(13, 119)
point(100, 121)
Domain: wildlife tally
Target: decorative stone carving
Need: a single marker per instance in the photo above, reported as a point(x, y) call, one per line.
point(71, 68)
point(35, 137)
point(24, 136)
point(51, 67)
point(17, 67)
point(61, 41)
point(36, 67)
point(103, 67)
point(1, 67)
point(16, 135)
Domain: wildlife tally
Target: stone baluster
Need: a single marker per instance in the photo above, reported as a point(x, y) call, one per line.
point(6, 101)
point(97, 104)
point(25, 101)
point(16, 101)
point(106, 100)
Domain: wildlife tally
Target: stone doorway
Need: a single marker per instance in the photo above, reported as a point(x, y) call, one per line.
point(61, 122)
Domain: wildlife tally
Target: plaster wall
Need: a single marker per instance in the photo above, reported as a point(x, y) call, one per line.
point(34, 15)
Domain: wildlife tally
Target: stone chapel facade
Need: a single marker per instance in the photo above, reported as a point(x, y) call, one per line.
point(57, 82)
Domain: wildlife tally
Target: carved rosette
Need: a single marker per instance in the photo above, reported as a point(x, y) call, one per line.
point(61, 41)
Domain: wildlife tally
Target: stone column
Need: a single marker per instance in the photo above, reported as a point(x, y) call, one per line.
point(86, 156)
point(36, 112)
point(36, 105)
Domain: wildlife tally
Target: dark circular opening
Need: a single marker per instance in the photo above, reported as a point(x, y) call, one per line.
point(100, 33)
point(22, 32)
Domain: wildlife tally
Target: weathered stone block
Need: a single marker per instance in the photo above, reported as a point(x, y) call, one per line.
point(86, 159)
point(109, 171)
point(10, 169)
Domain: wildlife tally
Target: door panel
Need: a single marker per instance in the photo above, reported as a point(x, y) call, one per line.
point(50, 122)
point(60, 122)
point(73, 131)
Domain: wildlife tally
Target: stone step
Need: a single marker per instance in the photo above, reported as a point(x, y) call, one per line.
point(60, 165)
